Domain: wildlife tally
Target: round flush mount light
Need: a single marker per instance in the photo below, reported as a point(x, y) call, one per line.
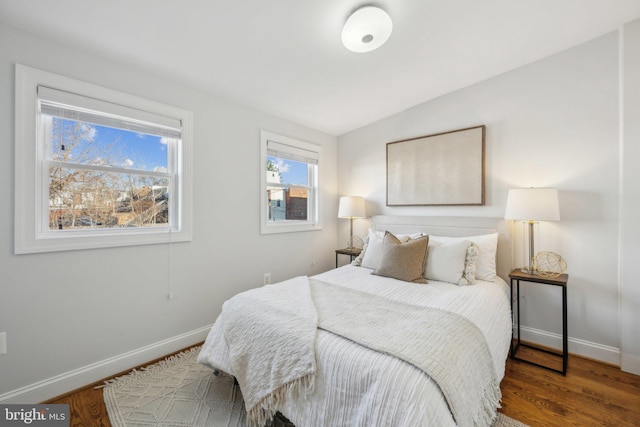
point(367, 29)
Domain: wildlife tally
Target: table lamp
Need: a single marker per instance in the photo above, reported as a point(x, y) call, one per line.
point(351, 207)
point(532, 205)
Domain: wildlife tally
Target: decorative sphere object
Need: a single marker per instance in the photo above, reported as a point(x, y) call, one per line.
point(549, 264)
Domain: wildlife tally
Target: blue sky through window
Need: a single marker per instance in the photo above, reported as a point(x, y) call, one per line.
point(129, 149)
point(292, 172)
point(147, 152)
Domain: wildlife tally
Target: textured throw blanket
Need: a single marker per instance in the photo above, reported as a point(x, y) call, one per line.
point(270, 332)
point(446, 346)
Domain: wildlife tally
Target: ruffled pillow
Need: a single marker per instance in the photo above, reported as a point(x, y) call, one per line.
point(469, 274)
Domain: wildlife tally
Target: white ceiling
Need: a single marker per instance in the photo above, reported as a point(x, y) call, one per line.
point(285, 57)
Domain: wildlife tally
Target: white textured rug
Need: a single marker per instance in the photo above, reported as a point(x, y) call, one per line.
point(178, 391)
point(174, 392)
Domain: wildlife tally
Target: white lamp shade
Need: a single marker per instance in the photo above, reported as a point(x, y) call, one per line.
point(366, 29)
point(533, 204)
point(351, 207)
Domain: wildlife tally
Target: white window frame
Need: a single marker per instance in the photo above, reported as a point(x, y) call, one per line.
point(31, 188)
point(314, 221)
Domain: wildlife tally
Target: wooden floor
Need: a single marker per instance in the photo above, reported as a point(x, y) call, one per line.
point(592, 394)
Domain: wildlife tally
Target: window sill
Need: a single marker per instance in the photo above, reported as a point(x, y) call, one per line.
point(274, 228)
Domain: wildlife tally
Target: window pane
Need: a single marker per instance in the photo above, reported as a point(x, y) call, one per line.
point(81, 199)
point(84, 143)
point(287, 171)
point(289, 179)
point(287, 204)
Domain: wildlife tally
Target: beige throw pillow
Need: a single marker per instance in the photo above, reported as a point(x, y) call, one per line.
point(372, 251)
point(403, 261)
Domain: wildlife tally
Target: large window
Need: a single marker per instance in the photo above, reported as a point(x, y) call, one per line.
point(97, 168)
point(289, 184)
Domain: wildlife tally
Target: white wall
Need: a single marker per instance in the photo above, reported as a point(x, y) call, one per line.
point(630, 229)
point(75, 317)
point(553, 123)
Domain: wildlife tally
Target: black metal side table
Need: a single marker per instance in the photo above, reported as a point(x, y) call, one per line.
point(517, 276)
point(352, 252)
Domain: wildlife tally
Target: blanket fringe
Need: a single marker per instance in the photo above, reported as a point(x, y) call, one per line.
point(487, 413)
point(266, 408)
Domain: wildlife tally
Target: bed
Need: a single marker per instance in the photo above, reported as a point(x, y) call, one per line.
point(369, 347)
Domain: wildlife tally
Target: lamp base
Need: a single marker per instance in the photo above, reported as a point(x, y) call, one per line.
point(528, 270)
point(355, 242)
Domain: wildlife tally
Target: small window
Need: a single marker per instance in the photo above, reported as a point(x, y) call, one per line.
point(106, 168)
point(289, 184)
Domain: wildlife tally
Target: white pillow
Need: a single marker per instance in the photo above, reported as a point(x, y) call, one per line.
point(372, 252)
point(446, 262)
point(487, 248)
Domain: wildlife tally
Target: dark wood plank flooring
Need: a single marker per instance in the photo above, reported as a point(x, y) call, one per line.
point(592, 394)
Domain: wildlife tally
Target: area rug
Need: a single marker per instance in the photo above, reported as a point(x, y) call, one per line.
point(178, 391)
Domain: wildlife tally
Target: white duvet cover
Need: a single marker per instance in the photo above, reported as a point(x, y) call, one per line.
point(356, 386)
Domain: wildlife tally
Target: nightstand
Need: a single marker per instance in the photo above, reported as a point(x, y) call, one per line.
point(352, 252)
point(561, 281)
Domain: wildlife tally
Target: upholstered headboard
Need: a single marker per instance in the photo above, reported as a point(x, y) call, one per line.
point(454, 227)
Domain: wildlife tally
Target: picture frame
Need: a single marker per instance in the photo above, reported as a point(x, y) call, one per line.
point(442, 169)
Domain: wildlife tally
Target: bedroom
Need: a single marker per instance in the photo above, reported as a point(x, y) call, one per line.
point(553, 122)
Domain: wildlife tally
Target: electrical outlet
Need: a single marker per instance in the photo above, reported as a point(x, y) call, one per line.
point(267, 278)
point(3, 343)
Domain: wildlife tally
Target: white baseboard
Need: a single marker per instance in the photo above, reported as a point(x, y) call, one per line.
point(630, 363)
point(60, 384)
point(577, 346)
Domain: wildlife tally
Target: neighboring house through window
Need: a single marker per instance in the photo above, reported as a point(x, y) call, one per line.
point(289, 184)
point(97, 168)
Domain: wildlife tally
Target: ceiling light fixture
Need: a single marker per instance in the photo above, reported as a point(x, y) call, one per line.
point(366, 29)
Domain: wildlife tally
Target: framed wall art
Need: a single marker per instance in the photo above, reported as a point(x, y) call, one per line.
point(444, 169)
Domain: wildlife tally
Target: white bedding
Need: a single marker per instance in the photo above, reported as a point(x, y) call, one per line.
point(356, 386)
